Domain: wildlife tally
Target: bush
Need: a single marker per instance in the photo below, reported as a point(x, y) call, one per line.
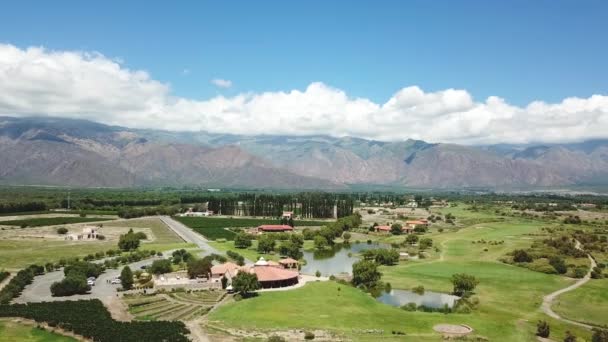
point(75, 283)
point(161, 266)
point(520, 255)
point(542, 329)
point(242, 240)
point(62, 230)
point(14, 288)
point(276, 338)
point(309, 335)
point(599, 335)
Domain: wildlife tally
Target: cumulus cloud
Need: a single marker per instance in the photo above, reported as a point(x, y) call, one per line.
point(221, 83)
point(36, 81)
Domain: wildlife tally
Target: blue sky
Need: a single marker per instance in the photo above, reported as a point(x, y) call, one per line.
point(519, 50)
point(471, 72)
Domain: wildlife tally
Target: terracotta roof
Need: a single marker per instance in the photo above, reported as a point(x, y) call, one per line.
point(269, 273)
point(383, 227)
point(275, 227)
point(288, 261)
point(224, 268)
point(416, 222)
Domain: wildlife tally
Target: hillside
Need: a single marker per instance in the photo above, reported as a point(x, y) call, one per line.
point(49, 151)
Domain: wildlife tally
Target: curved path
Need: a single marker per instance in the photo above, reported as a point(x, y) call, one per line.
point(548, 299)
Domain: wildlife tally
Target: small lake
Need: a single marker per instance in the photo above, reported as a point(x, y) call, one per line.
point(336, 260)
point(430, 299)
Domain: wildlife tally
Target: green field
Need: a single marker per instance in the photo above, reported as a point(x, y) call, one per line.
point(588, 303)
point(510, 296)
point(12, 332)
point(162, 233)
point(23, 252)
point(51, 221)
point(213, 228)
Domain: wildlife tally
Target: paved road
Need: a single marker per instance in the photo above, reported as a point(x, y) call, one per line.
point(191, 236)
point(548, 299)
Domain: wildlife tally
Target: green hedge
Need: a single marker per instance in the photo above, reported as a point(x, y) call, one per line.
point(89, 318)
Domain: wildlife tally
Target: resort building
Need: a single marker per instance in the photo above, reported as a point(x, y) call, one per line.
point(387, 229)
point(287, 215)
point(417, 223)
point(270, 274)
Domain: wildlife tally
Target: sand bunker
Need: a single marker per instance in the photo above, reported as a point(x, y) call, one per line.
point(452, 329)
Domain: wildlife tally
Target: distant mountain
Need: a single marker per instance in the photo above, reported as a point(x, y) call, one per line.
point(51, 151)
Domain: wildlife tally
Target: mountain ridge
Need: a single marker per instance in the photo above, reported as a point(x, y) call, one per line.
point(56, 151)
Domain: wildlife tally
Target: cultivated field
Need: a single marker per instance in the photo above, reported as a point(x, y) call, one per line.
point(182, 306)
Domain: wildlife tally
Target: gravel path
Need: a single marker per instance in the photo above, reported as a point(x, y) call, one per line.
point(548, 299)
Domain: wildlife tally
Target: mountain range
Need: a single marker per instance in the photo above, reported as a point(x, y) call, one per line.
point(68, 152)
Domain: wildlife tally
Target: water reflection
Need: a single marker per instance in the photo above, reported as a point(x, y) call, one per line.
point(338, 259)
point(429, 299)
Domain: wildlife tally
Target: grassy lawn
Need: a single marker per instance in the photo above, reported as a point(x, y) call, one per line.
point(161, 232)
point(594, 296)
point(21, 253)
point(510, 296)
point(51, 221)
point(12, 331)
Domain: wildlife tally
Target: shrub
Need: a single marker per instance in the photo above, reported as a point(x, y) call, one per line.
point(276, 338)
point(318, 273)
point(62, 230)
point(520, 255)
point(542, 329)
point(409, 307)
point(242, 240)
point(599, 335)
point(309, 335)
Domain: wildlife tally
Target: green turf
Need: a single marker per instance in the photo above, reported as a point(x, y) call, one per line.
point(14, 332)
point(510, 296)
point(588, 303)
point(162, 233)
point(51, 221)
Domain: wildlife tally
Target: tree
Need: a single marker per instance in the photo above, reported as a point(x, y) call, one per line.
point(542, 329)
point(520, 255)
point(366, 274)
point(297, 239)
point(181, 255)
point(396, 229)
point(569, 337)
point(245, 282)
point(320, 242)
point(199, 267)
point(464, 284)
point(62, 230)
point(126, 278)
point(265, 243)
point(161, 266)
point(346, 236)
point(411, 239)
point(242, 240)
point(425, 243)
point(290, 249)
point(559, 264)
point(128, 242)
point(224, 282)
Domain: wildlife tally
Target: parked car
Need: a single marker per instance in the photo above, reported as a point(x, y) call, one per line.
point(144, 267)
point(91, 282)
point(115, 281)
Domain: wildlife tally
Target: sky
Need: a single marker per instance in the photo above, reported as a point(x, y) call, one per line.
point(470, 72)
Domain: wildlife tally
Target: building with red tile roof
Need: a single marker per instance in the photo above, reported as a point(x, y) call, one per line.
point(275, 228)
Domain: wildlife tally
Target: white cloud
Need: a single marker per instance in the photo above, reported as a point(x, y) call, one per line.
point(221, 83)
point(36, 81)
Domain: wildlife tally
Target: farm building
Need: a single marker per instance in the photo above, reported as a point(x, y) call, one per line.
point(274, 228)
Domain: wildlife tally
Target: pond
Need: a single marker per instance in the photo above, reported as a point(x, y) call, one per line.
point(430, 299)
point(336, 260)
